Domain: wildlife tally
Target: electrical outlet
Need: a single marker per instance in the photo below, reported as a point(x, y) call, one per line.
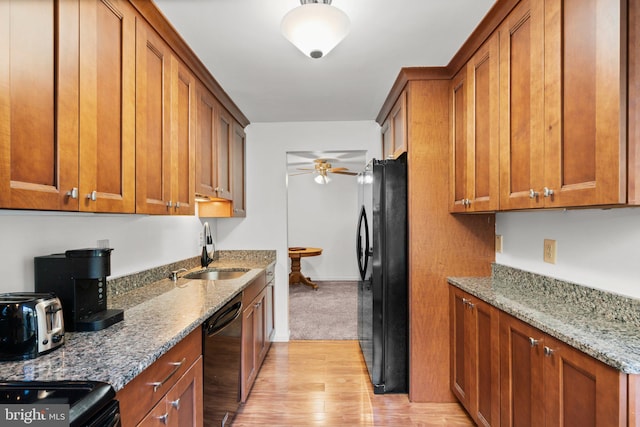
point(499, 243)
point(549, 251)
point(103, 244)
point(201, 240)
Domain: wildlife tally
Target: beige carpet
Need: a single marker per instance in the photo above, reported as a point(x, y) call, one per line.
point(329, 313)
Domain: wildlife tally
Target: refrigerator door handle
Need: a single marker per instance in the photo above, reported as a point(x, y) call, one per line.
point(365, 252)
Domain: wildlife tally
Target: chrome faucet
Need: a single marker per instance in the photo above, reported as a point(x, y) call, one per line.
point(206, 259)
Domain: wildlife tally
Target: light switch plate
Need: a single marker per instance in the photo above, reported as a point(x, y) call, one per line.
point(499, 243)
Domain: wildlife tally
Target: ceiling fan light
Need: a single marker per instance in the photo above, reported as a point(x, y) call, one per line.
point(322, 179)
point(315, 28)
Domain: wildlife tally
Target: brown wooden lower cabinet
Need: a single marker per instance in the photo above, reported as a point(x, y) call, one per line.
point(255, 340)
point(541, 381)
point(169, 392)
point(475, 363)
point(182, 405)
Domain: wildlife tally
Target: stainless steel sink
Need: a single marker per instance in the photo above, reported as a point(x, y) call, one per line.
point(217, 274)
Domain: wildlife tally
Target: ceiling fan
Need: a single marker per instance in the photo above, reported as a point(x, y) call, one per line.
point(322, 168)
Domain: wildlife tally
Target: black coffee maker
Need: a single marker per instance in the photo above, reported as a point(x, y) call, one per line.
point(79, 278)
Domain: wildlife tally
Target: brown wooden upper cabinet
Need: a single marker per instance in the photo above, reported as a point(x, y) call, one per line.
point(474, 114)
point(68, 76)
point(394, 129)
point(238, 144)
point(213, 168)
point(563, 104)
point(165, 128)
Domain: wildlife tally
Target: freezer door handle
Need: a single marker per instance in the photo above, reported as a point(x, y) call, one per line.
point(363, 253)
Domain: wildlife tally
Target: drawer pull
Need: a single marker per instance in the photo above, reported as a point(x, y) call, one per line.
point(176, 404)
point(177, 365)
point(548, 351)
point(533, 342)
point(164, 418)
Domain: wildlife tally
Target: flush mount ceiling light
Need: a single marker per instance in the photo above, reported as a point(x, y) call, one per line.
point(315, 27)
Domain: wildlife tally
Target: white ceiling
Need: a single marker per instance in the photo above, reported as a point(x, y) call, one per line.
point(239, 41)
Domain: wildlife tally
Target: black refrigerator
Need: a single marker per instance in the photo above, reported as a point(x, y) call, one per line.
point(381, 247)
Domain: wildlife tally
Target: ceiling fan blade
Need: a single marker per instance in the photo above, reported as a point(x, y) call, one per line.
point(338, 169)
point(306, 169)
point(345, 173)
point(299, 173)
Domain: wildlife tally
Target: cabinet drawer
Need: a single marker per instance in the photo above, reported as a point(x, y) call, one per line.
point(146, 390)
point(252, 291)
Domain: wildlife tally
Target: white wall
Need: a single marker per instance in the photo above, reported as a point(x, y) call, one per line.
point(265, 226)
point(325, 216)
point(140, 241)
point(596, 248)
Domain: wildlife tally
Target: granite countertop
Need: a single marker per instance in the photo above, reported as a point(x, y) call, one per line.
point(602, 325)
point(157, 316)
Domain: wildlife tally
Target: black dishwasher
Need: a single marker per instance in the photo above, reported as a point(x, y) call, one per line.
point(221, 346)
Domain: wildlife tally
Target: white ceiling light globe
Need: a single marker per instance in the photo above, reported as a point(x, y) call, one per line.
point(315, 28)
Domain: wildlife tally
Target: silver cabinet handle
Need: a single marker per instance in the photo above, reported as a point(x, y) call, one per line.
point(548, 351)
point(164, 418)
point(177, 365)
point(468, 303)
point(548, 192)
point(533, 342)
point(176, 404)
point(73, 193)
point(177, 205)
point(533, 194)
point(93, 196)
point(169, 204)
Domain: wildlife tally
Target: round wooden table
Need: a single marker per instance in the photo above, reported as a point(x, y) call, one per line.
point(296, 276)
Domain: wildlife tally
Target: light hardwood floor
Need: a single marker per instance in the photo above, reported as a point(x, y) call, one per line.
point(325, 383)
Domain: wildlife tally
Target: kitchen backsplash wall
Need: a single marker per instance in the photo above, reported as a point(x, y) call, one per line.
point(140, 242)
point(598, 248)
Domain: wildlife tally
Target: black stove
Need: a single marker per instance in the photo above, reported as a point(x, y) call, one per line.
point(91, 403)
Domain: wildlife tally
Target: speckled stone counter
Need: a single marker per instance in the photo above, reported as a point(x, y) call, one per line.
point(603, 325)
point(157, 316)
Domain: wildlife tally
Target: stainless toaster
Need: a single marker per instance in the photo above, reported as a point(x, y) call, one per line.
point(31, 324)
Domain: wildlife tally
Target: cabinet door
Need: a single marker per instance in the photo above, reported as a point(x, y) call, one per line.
point(157, 417)
point(461, 338)
point(248, 368)
point(185, 399)
point(260, 328)
point(206, 171)
point(38, 104)
point(522, 106)
point(238, 170)
point(485, 353)
point(483, 134)
point(387, 139)
point(521, 381)
point(223, 144)
point(107, 106)
point(270, 312)
point(580, 390)
point(153, 139)
point(183, 121)
point(585, 92)
point(459, 145)
point(398, 117)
